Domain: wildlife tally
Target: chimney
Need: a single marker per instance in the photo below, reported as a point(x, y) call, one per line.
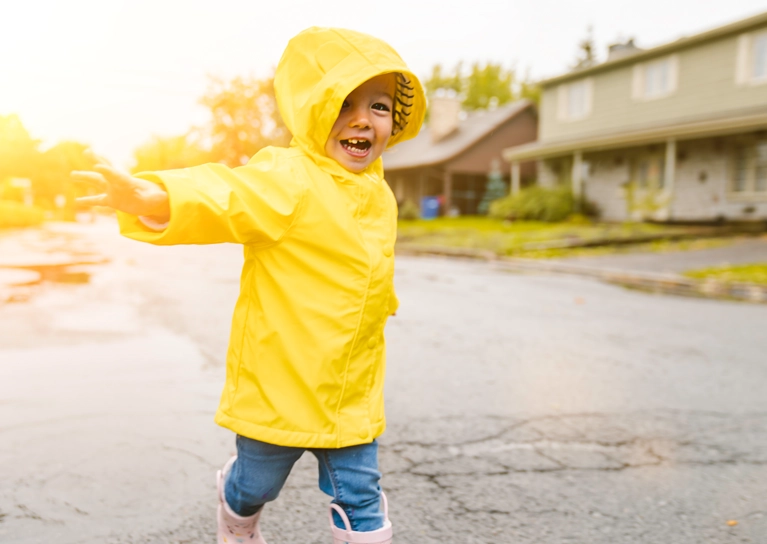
point(620, 50)
point(444, 115)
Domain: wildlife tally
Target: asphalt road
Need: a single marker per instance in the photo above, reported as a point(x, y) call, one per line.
point(521, 408)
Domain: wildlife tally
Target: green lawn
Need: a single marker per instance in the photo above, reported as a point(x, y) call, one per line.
point(520, 238)
point(747, 273)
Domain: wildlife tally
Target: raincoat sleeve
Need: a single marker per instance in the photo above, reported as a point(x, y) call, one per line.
point(393, 302)
point(255, 204)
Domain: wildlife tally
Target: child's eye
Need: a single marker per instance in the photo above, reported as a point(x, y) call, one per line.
point(381, 107)
point(345, 104)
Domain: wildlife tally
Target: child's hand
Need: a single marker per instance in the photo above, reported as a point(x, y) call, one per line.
point(124, 192)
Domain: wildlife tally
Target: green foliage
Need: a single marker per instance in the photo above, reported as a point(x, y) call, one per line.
point(488, 85)
point(495, 189)
point(485, 85)
point(15, 214)
point(535, 204)
point(48, 171)
point(409, 211)
point(452, 81)
point(745, 273)
point(18, 150)
point(244, 119)
point(168, 153)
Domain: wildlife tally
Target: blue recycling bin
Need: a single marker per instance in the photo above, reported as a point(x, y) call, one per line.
point(429, 207)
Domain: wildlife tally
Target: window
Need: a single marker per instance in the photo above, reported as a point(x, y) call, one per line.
point(751, 63)
point(575, 100)
point(655, 79)
point(750, 169)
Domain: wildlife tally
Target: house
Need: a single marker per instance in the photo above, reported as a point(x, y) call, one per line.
point(453, 155)
point(677, 132)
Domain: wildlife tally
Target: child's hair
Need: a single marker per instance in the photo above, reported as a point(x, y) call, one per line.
point(403, 103)
point(321, 66)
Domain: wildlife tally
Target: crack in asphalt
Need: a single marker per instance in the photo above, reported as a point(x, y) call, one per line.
point(564, 444)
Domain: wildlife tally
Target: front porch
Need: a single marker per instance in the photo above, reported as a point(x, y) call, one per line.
point(703, 172)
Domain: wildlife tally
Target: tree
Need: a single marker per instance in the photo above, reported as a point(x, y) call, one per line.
point(488, 86)
point(19, 152)
point(171, 152)
point(244, 119)
point(494, 189)
point(485, 86)
point(586, 55)
point(438, 80)
point(51, 182)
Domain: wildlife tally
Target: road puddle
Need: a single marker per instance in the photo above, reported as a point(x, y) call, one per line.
point(34, 258)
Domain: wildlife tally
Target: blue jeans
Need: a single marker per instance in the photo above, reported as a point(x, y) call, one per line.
point(349, 475)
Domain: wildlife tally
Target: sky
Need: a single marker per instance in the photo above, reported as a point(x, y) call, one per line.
point(112, 73)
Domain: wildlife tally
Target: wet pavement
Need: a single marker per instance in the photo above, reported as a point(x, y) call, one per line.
point(744, 250)
point(521, 408)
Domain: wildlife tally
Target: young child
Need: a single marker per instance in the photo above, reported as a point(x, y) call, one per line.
point(305, 365)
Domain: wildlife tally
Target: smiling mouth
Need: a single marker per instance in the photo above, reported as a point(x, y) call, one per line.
point(356, 146)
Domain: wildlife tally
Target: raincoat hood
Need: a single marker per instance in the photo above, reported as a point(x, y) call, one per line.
point(306, 359)
point(318, 70)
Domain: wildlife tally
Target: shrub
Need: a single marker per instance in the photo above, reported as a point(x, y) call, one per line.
point(539, 204)
point(535, 204)
point(409, 211)
point(15, 214)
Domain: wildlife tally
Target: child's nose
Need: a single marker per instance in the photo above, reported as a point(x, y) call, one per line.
point(360, 118)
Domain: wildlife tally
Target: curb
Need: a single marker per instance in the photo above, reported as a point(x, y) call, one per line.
point(672, 284)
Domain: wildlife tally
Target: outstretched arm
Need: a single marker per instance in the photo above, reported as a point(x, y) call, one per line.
point(123, 192)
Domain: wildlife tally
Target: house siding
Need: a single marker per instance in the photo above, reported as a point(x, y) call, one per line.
point(700, 191)
point(707, 87)
point(523, 128)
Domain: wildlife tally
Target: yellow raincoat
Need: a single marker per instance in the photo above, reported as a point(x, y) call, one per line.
point(306, 359)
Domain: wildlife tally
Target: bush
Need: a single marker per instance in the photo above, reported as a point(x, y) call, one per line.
point(15, 214)
point(535, 204)
point(539, 204)
point(409, 211)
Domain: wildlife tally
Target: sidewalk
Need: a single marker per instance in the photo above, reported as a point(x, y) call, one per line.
point(655, 272)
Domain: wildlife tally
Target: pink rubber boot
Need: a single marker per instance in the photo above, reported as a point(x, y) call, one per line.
point(347, 536)
point(234, 529)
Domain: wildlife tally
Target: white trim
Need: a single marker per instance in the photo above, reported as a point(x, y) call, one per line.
point(639, 78)
point(673, 75)
point(763, 78)
point(637, 81)
point(563, 100)
point(742, 59)
point(745, 59)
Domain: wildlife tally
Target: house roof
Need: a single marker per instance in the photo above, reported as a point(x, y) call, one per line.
point(421, 151)
point(715, 126)
point(719, 32)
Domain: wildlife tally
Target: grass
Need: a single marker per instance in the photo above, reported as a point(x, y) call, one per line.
point(517, 238)
point(744, 273)
point(15, 214)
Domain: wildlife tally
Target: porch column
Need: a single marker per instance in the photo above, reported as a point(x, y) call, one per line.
point(515, 178)
point(670, 167)
point(578, 179)
point(447, 191)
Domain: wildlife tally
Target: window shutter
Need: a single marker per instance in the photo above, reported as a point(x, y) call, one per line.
point(589, 98)
point(637, 82)
point(673, 73)
point(742, 60)
point(562, 96)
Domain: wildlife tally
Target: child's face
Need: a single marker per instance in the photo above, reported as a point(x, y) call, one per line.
point(363, 127)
